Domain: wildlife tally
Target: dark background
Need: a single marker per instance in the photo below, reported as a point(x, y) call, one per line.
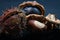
point(51, 6)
